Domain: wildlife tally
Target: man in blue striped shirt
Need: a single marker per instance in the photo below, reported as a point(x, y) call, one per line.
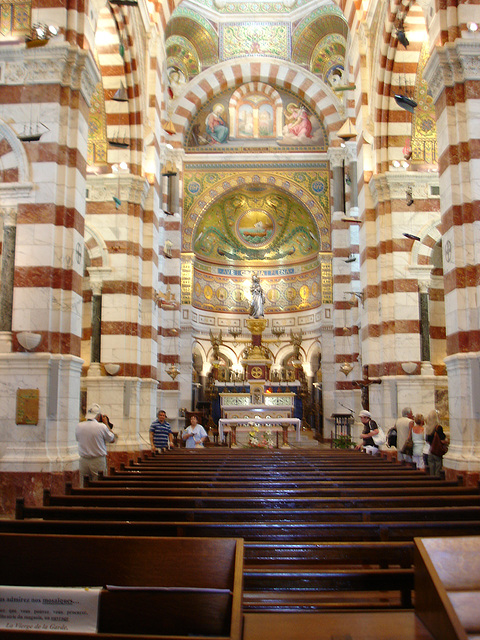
point(161, 436)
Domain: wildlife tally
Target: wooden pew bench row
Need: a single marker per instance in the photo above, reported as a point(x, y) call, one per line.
point(249, 502)
point(204, 577)
point(250, 516)
point(251, 531)
point(132, 487)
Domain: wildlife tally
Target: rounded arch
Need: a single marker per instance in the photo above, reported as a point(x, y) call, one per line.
point(317, 96)
point(422, 251)
point(14, 165)
point(96, 248)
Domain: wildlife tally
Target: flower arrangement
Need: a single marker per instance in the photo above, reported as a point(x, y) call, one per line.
point(343, 441)
point(262, 440)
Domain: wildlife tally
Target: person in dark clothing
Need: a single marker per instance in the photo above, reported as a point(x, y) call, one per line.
point(370, 429)
point(432, 425)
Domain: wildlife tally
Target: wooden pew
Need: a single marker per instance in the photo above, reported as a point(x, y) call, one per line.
point(276, 515)
point(280, 501)
point(379, 625)
point(206, 564)
point(376, 554)
point(447, 574)
point(262, 522)
point(252, 531)
point(100, 488)
point(309, 587)
point(248, 485)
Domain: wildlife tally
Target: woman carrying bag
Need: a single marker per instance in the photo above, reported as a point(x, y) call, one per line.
point(438, 442)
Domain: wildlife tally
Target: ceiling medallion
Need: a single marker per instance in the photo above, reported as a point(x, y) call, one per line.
point(255, 228)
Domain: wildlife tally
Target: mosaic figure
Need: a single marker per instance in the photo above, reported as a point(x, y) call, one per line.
point(298, 121)
point(217, 128)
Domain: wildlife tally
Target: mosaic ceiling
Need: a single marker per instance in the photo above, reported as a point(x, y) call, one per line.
point(264, 225)
point(315, 38)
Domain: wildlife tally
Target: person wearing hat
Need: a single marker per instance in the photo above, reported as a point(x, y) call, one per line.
point(370, 428)
point(92, 435)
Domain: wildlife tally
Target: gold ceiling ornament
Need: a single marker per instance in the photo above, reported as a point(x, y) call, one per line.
point(173, 371)
point(346, 368)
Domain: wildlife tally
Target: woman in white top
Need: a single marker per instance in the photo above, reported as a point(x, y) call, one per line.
point(418, 437)
point(194, 435)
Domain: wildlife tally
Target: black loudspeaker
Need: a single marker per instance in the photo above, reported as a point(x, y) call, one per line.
point(405, 102)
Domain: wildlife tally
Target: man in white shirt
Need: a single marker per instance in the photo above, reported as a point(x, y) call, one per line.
point(403, 428)
point(92, 436)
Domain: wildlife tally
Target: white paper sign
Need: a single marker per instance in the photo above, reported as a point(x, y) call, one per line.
point(49, 608)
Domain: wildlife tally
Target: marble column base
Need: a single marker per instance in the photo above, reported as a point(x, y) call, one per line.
point(470, 478)
point(30, 486)
point(41, 440)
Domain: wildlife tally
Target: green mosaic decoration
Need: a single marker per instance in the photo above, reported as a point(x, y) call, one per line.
point(424, 129)
point(15, 18)
point(259, 226)
point(306, 184)
point(196, 17)
point(265, 6)
point(310, 31)
point(97, 129)
point(255, 39)
point(328, 54)
point(179, 48)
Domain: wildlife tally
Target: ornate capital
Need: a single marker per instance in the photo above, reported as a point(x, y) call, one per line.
point(351, 153)
point(336, 156)
point(451, 64)
point(9, 216)
point(97, 276)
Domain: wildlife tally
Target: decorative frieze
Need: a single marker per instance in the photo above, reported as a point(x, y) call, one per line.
point(390, 185)
point(453, 63)
point(127, 187)
point(65, 64)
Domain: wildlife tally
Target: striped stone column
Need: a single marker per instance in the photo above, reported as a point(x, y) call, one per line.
point(52, 85)
point(345, 342)
point(453, 75)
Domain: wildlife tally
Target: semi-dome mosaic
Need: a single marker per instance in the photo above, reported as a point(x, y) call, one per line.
point(260, 225)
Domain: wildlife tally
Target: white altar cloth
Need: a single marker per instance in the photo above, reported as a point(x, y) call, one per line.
point(258, 421)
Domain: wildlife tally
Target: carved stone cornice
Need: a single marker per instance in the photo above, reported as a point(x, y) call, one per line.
point(385, 186)
point(63, 64)
point(127, 187)
point(11, 192)
point(451, 64)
